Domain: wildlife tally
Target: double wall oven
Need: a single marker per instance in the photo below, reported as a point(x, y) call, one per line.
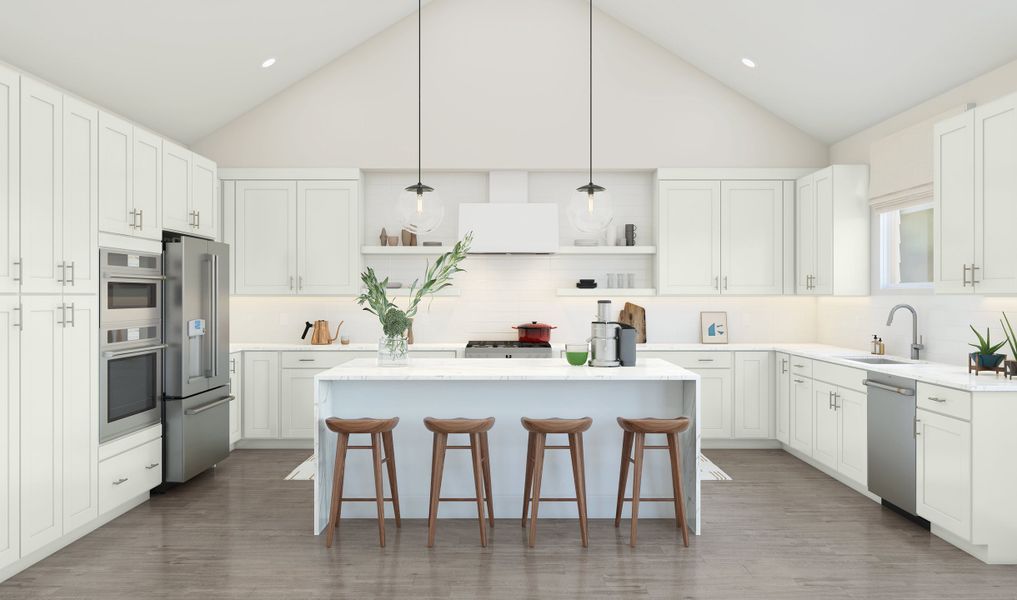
point(131, 343)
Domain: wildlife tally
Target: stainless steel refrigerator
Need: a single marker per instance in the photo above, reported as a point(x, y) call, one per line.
point(196, 321)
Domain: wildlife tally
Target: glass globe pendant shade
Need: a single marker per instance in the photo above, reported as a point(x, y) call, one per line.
point(590, 210)
point(419, 209)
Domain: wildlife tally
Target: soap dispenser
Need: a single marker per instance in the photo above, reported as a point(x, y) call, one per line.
point(882, 347)
point(874, 344)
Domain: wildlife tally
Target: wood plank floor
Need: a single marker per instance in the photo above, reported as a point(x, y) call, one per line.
point(779, 530)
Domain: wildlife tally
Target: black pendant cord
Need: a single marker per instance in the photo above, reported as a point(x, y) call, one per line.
point(591, 93)
point(419, 95)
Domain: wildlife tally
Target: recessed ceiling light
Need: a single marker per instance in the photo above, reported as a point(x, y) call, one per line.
point(268, 63)
point(748, 62)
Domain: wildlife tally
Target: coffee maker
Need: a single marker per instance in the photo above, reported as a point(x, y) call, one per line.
point(612, 344)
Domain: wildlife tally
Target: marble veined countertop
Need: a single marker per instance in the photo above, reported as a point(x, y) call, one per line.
point(499, 369)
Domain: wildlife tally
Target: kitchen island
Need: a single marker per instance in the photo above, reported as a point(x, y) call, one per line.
point(506, 390)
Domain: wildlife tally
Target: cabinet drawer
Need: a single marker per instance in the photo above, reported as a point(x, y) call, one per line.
point(129, 474)
point(696, 360)
point(945, 401)
point(838, 375)
point(320, 360)
point(801, 367)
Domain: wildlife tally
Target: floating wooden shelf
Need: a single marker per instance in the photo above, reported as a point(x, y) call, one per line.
point(600, 250)
point(607, 292)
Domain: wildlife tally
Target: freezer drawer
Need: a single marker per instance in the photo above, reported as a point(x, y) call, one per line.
point(196, 434)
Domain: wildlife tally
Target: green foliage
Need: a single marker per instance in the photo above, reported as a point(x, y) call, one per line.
point(438, 276)
point(1011, 338)
point(985, 345)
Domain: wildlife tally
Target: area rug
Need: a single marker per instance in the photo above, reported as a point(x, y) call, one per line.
point(708, 471)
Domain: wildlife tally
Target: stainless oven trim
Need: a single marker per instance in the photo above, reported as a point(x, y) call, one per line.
point(109, 431)
point(110, 318)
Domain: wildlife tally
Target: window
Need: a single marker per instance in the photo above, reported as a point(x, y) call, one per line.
point(905, 241)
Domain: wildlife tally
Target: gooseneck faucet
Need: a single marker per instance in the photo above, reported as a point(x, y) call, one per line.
point(916, 345)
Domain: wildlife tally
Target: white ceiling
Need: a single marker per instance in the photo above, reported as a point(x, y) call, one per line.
point(832, 67)
point(187, 67)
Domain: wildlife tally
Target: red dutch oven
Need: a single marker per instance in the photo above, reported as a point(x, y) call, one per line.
point(534, 332)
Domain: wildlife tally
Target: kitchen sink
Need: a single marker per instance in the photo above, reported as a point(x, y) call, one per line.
point(873, 360)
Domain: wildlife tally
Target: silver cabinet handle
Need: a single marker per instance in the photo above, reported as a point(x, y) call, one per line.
point(72, 274)
point(209, 406)
point(300, 282)
point(197, 219)
point(964, 276)
point(973, 280)
point(63, 273)
point(799, 381)
point(917, 421)
point(21, 318)
point(716, 283)
point(133, 352)
point(21, 268)
point(830, 401)
point(725, 282)
point(836, 401)
point(133, 277)
point(797, 366)
point(291, 282)
point(783, 366)
point(937, 399)
point(151, 466)
point(121, 480)
point(71, 323)
point(705, 360)
point(63, 316)
point(305, 359)
point(233, 365)
point(134, 219)
point(141, 218)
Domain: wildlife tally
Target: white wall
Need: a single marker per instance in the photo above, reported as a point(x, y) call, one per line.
point(505, 87)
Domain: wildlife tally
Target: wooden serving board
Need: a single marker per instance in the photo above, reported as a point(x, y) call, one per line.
point(634, 315)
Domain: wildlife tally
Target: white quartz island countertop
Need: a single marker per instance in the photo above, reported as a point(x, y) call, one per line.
point(506, 390)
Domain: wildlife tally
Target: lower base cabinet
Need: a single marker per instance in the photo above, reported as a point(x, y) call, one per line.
point(236, 388)
point(782, 388)
point(131, 468)
point(839, 420)
point(944, 471)
point(801, 414)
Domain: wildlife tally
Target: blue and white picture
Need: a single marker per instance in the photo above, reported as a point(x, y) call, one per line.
point(714, 327)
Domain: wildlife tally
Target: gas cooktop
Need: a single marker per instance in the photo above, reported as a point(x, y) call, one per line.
point(507, 349)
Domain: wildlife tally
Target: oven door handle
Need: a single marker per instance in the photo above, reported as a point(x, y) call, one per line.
point(209, 406)
point(133, 352)
point(130, 277)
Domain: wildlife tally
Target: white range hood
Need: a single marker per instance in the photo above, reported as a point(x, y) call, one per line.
point(508, 224)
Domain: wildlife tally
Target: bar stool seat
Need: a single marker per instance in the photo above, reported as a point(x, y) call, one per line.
point(538, 430)
point(635, 432)
point(380, 431)
point(477, 430)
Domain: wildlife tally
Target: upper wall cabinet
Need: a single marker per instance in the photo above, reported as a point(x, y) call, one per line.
point(975, 183)
point(832, 232)
point(294, 237)
point(720, 237)
point(80, 211)
point(10, 190)
point(130, 179)
point(189, 184)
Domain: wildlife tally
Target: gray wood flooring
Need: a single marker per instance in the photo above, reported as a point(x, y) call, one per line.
point(779, 530)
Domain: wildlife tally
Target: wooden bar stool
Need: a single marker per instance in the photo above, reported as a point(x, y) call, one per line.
point(539, 430)
point(477, 430)
point(636, 430)
point(380, 431)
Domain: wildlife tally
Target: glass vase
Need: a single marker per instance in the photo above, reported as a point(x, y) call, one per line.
point(393, 351)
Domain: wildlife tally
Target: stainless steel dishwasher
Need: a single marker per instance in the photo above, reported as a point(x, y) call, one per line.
point(891, 434)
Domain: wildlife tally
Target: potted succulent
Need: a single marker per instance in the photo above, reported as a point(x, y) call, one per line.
point(986, 357)
point(393, 347)
point(1011, 340)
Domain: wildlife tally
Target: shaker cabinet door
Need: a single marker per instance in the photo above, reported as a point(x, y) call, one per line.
point(80, 407)
point(204, 203)
point(824, 448)
point(782, 371)
point(954, 197)
point(995, 196)
point(752, 237)
point(296, 403)
point(147, 184)
point(753, 395)
point(716, 398)
point(10, 442)
point(852, 444)
point(328, 244)
point(80, 209)
point(805, 235)
point(10, 189)
point(261, 394)
point(801, 415)
point(265, 231)
point(944, 472)
point(690, 231)
point(116, 172)
point(177, 214)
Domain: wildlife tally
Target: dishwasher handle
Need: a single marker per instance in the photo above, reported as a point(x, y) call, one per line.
point(889, 388)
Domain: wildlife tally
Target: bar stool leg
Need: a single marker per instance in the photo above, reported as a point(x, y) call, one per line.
point(577, 465)
point(379, 490)
point(676, 478)
point(486, 463)
point(338, 472)
point(623, 478)
point(538, 471)
point(478, 485)
point(531, 446)
point(386, 439)
point(441, 441)
point(637, 474)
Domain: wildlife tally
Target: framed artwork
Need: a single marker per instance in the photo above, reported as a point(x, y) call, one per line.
point(713, 327)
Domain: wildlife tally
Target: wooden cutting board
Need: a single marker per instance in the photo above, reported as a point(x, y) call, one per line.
point(634, 315)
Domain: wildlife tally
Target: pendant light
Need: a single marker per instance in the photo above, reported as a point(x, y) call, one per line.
point(419, 207)
point(590, 210)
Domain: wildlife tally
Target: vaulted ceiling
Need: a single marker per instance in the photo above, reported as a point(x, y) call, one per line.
point(187, 67)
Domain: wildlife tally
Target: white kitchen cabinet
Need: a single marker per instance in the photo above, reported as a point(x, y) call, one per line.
point(261, 394)
point(782, 374)
point(954, 197)
point(10, 428)
point(689, 237)
point(753, 395)
point(80, 209)
point(752, 237)
point(824, 444)
point(265, 231)
point(995, 196)
point(41, 412)
point(716, 397)
point(204, 199)
point(296, 403)
point(328, 263)
point(801, 414)
point(146, 178)
point(116, 170)
point(10, 188)
point(236, 390)
point(944, 472)
point(832, 232)
point(177, 214)
point(41, 188)
point(80, 405)
point(852, 434)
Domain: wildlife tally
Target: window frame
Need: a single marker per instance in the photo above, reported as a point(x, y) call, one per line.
point(888, 228)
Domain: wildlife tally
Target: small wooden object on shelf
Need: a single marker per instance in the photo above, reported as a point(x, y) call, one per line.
point(634, 315)
point(384, 237)
point(974, 367)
